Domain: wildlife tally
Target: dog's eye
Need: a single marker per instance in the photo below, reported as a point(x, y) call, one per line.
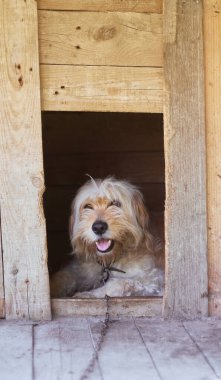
point(115, 203)
point(88, 206)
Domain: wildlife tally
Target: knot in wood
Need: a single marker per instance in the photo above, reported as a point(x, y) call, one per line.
point(37, 182)
point(105, 33)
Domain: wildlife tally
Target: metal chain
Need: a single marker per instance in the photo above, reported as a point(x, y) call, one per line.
point(106, 324)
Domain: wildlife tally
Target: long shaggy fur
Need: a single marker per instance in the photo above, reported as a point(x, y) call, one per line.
point(109, 231)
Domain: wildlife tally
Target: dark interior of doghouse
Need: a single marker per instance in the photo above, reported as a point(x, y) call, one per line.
point(125, 145)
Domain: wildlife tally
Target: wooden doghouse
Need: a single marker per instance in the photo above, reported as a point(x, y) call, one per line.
point(129, 62)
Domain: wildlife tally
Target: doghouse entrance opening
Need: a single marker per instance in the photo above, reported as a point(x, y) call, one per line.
point(125, 145)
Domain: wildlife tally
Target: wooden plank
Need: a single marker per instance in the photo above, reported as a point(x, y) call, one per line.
point(135, 166)
point(98, 38)
point(122, 354)
point(2, 293)
point(150, 6)
point(115, 89)
point(62, 350)
point(186, 293)
point(16, 351)
point(207, 336)
point(22, 184)
point(212, 32)
point(80, 132)
point(173, 351)
point(127, 306)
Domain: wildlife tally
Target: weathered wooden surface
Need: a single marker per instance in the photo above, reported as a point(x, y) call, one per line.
point(212, 33)
point(22, 184)
point(150, 6)
point(2, 293)
point(186, 293)
point(129, 358)
point(128, 306)
point(129, 349)
point(62, 350)
point(207, 336)
point(101, 88)
point(16, 343)
point(100, 38)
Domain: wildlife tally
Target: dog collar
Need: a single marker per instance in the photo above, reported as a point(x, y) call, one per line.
point(106, 273)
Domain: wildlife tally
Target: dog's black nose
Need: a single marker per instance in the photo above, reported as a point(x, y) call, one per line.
point(99, 227)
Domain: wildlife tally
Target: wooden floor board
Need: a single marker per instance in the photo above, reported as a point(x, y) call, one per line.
point(131, 348)
point(173, 351)
point(62, 350)
point(16, 351)
point(208, 339)
point(122, 354)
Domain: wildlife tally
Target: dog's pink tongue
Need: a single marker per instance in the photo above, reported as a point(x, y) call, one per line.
point(103, 244)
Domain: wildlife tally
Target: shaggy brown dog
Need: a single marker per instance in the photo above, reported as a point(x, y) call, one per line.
point(114, 251)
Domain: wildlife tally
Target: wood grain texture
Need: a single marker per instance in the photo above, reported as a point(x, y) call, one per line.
point(207, 335)
point(101, 88)
point(120, 361)
point(212, 32)
point(22, 184)
point(126, 306)
point(62, 350)
point(173, 351)
point(16, 351)
point(186, 293)
point(99, 38)
point(2, 292)
point(150, 6)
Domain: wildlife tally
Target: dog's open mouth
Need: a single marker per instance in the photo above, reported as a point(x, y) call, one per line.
point(104, 245)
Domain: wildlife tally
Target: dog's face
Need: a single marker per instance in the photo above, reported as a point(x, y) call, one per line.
point(108, 217)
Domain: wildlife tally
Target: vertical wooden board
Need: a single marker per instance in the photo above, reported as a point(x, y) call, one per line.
point(212, 33)
point(22, 184)
point(63, 350)
point(186, 261)
point(172, 350)
point(16, 351)
point(2, 294)
point(122, 353)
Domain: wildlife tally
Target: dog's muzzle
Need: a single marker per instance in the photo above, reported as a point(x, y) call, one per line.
point(99, 227)
point(104, 245)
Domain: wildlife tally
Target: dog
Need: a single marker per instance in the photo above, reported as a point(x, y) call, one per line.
point(114, 251)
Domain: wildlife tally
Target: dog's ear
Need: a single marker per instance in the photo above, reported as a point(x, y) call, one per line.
point(141, 213)
point(142, 217)
point(71, 226)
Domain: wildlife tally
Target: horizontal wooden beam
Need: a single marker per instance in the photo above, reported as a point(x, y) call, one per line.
point(101, 88)
point(99, 38)
point(137, 307)
point(150, 6)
